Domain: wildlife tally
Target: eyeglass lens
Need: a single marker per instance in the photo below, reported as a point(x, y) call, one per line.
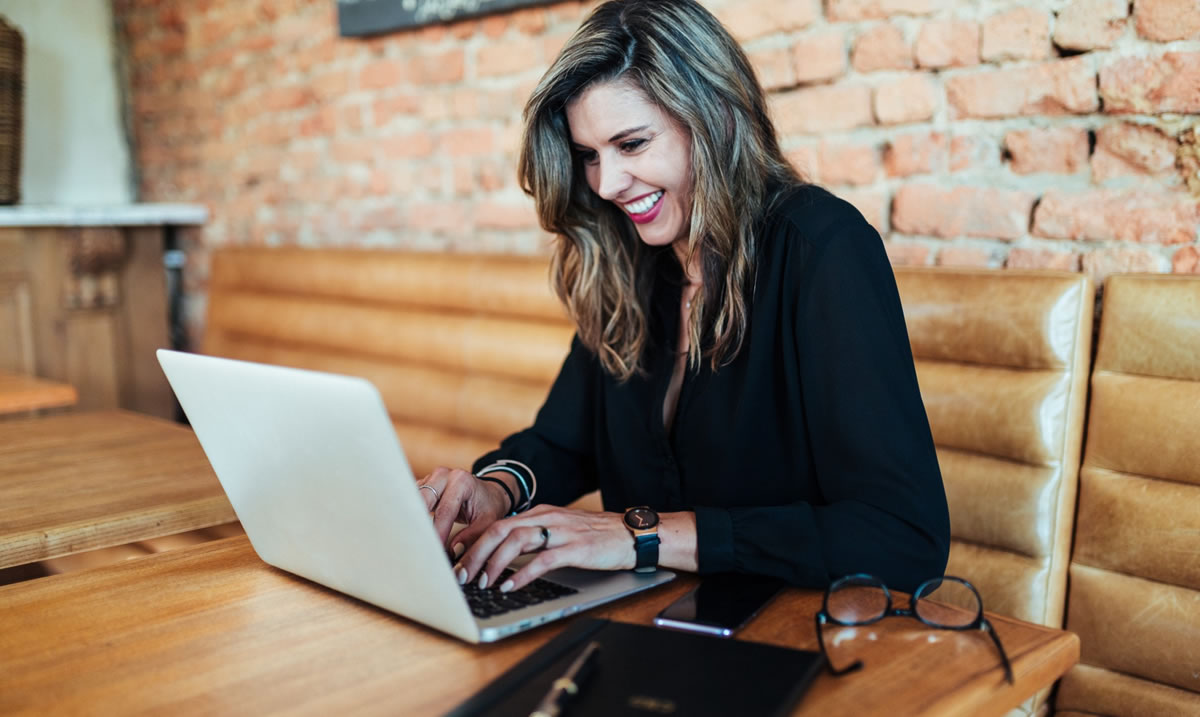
point(947, 603)
point(854, 602)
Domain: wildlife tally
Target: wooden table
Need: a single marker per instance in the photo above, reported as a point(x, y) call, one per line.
point(80, 481)
point(20, 393)
point(212, 629)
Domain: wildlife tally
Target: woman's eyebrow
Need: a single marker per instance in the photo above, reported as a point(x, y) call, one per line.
point(626, 132)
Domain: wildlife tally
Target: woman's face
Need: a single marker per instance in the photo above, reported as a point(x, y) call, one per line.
point(635, 156)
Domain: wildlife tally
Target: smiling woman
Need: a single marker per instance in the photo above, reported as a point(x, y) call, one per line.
point(740, 388)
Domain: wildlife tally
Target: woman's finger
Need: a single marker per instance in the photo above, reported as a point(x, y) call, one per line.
point(545, 561)
point(525, 539)
point(431, 486)
point(448, 508)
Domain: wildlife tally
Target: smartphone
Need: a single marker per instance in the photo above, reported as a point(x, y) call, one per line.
point(721, 605)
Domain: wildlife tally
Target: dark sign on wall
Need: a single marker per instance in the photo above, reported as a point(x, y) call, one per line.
point(371, 17)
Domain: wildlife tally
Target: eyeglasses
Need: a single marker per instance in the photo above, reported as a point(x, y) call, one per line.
point(947, 603)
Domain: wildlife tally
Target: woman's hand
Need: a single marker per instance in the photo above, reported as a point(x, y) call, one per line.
point(455, 495)
point(560, 537)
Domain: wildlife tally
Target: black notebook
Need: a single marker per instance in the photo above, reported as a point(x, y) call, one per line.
point(643, 670)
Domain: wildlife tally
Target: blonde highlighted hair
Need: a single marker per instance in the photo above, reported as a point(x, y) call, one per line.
point(685, 61)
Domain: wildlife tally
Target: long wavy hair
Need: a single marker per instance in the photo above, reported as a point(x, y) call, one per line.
point(685, 61)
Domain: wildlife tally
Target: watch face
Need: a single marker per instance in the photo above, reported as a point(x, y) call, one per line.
point(641, 518)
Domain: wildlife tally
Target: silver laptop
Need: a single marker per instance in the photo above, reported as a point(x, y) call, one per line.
point(313, 468)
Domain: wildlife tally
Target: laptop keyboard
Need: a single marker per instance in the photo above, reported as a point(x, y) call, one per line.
point(490, 602)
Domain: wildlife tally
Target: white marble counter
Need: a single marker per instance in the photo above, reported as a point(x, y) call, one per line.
point(123, 215)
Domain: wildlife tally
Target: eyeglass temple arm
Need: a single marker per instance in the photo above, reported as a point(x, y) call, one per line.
point(1008, 673)
point(856, 665)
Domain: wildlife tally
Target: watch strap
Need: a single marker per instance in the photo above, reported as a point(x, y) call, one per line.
point(646, 547)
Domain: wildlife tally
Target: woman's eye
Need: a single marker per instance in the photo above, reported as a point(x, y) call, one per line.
point(587, 157)
point(632, 144)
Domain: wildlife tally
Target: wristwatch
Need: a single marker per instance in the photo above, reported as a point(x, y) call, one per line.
point(643, 523)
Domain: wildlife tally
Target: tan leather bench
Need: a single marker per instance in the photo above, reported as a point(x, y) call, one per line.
point(1135, 572)
point(463, 348)
point(1002, 359)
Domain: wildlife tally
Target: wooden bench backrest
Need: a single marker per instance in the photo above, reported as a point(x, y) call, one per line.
point(463, 348)
point(1135, 571)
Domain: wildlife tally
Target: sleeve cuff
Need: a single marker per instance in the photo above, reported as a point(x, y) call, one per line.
point(714, 540)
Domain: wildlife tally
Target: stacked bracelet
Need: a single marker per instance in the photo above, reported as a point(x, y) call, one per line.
point(526, 486)
point(512, 503)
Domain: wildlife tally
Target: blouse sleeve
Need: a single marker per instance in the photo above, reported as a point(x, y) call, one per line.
point(558, 447)
point(883, 508)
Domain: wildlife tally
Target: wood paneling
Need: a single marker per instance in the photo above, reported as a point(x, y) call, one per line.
point(95, 331)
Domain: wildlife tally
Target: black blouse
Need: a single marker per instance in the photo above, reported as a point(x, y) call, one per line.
point(808, 457)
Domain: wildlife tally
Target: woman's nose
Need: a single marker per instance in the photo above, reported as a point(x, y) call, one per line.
point(613, 180)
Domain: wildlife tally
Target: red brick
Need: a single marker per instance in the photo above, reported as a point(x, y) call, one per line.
point(748, 19)
point(387, 108)
point(1125, 149)
point(967, 153)
point(819, 57)
point(804, 160)
point(1019, 34)
point(964, 256)
point(468, 142)
point(441, 68)
point(1020, 258)
point(948, 43)
point(491, 176)
point(321, 123)
point(330, 86)
point(847, 10)
point(961, 211)
point(1052, 88)
point(493, 26)
point(842, 163)
point(567, 11)
point(1186, 261)
point(774, 68)
point(871, 203)
point(530, 21)
point(463, 178)
point(1149, 85)
point(499, 215)
point(902, 253)
point(436, 216)
point(553, 44)
point(910, 99)
point(1167, 20)
point(820, 109)
point(1058, 150)
point(508, 58)
point(463, 29)
point(1102, 215)
point(1102, 263)
point(910, 154)
point(882, 48)
point(416, 144)
point(386, 217)
point(381, 74)
point(1090, 24)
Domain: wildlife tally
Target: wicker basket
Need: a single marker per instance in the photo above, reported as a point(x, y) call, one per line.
point(12, 94)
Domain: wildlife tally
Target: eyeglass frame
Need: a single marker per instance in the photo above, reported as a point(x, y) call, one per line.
point(979, 623)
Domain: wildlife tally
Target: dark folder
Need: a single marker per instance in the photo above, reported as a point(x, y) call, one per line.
point(643, 670)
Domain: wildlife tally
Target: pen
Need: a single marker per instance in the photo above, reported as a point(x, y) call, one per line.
point(567, 686)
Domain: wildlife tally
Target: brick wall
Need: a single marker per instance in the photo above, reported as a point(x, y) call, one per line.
point(1022, 133)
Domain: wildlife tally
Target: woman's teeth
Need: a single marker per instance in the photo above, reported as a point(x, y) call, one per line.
point(644, 204)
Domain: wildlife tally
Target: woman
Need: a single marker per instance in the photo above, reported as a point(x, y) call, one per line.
point(741, 367)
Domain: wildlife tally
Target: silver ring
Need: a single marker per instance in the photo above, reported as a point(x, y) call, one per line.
point(436, 496)
point(545, 537)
